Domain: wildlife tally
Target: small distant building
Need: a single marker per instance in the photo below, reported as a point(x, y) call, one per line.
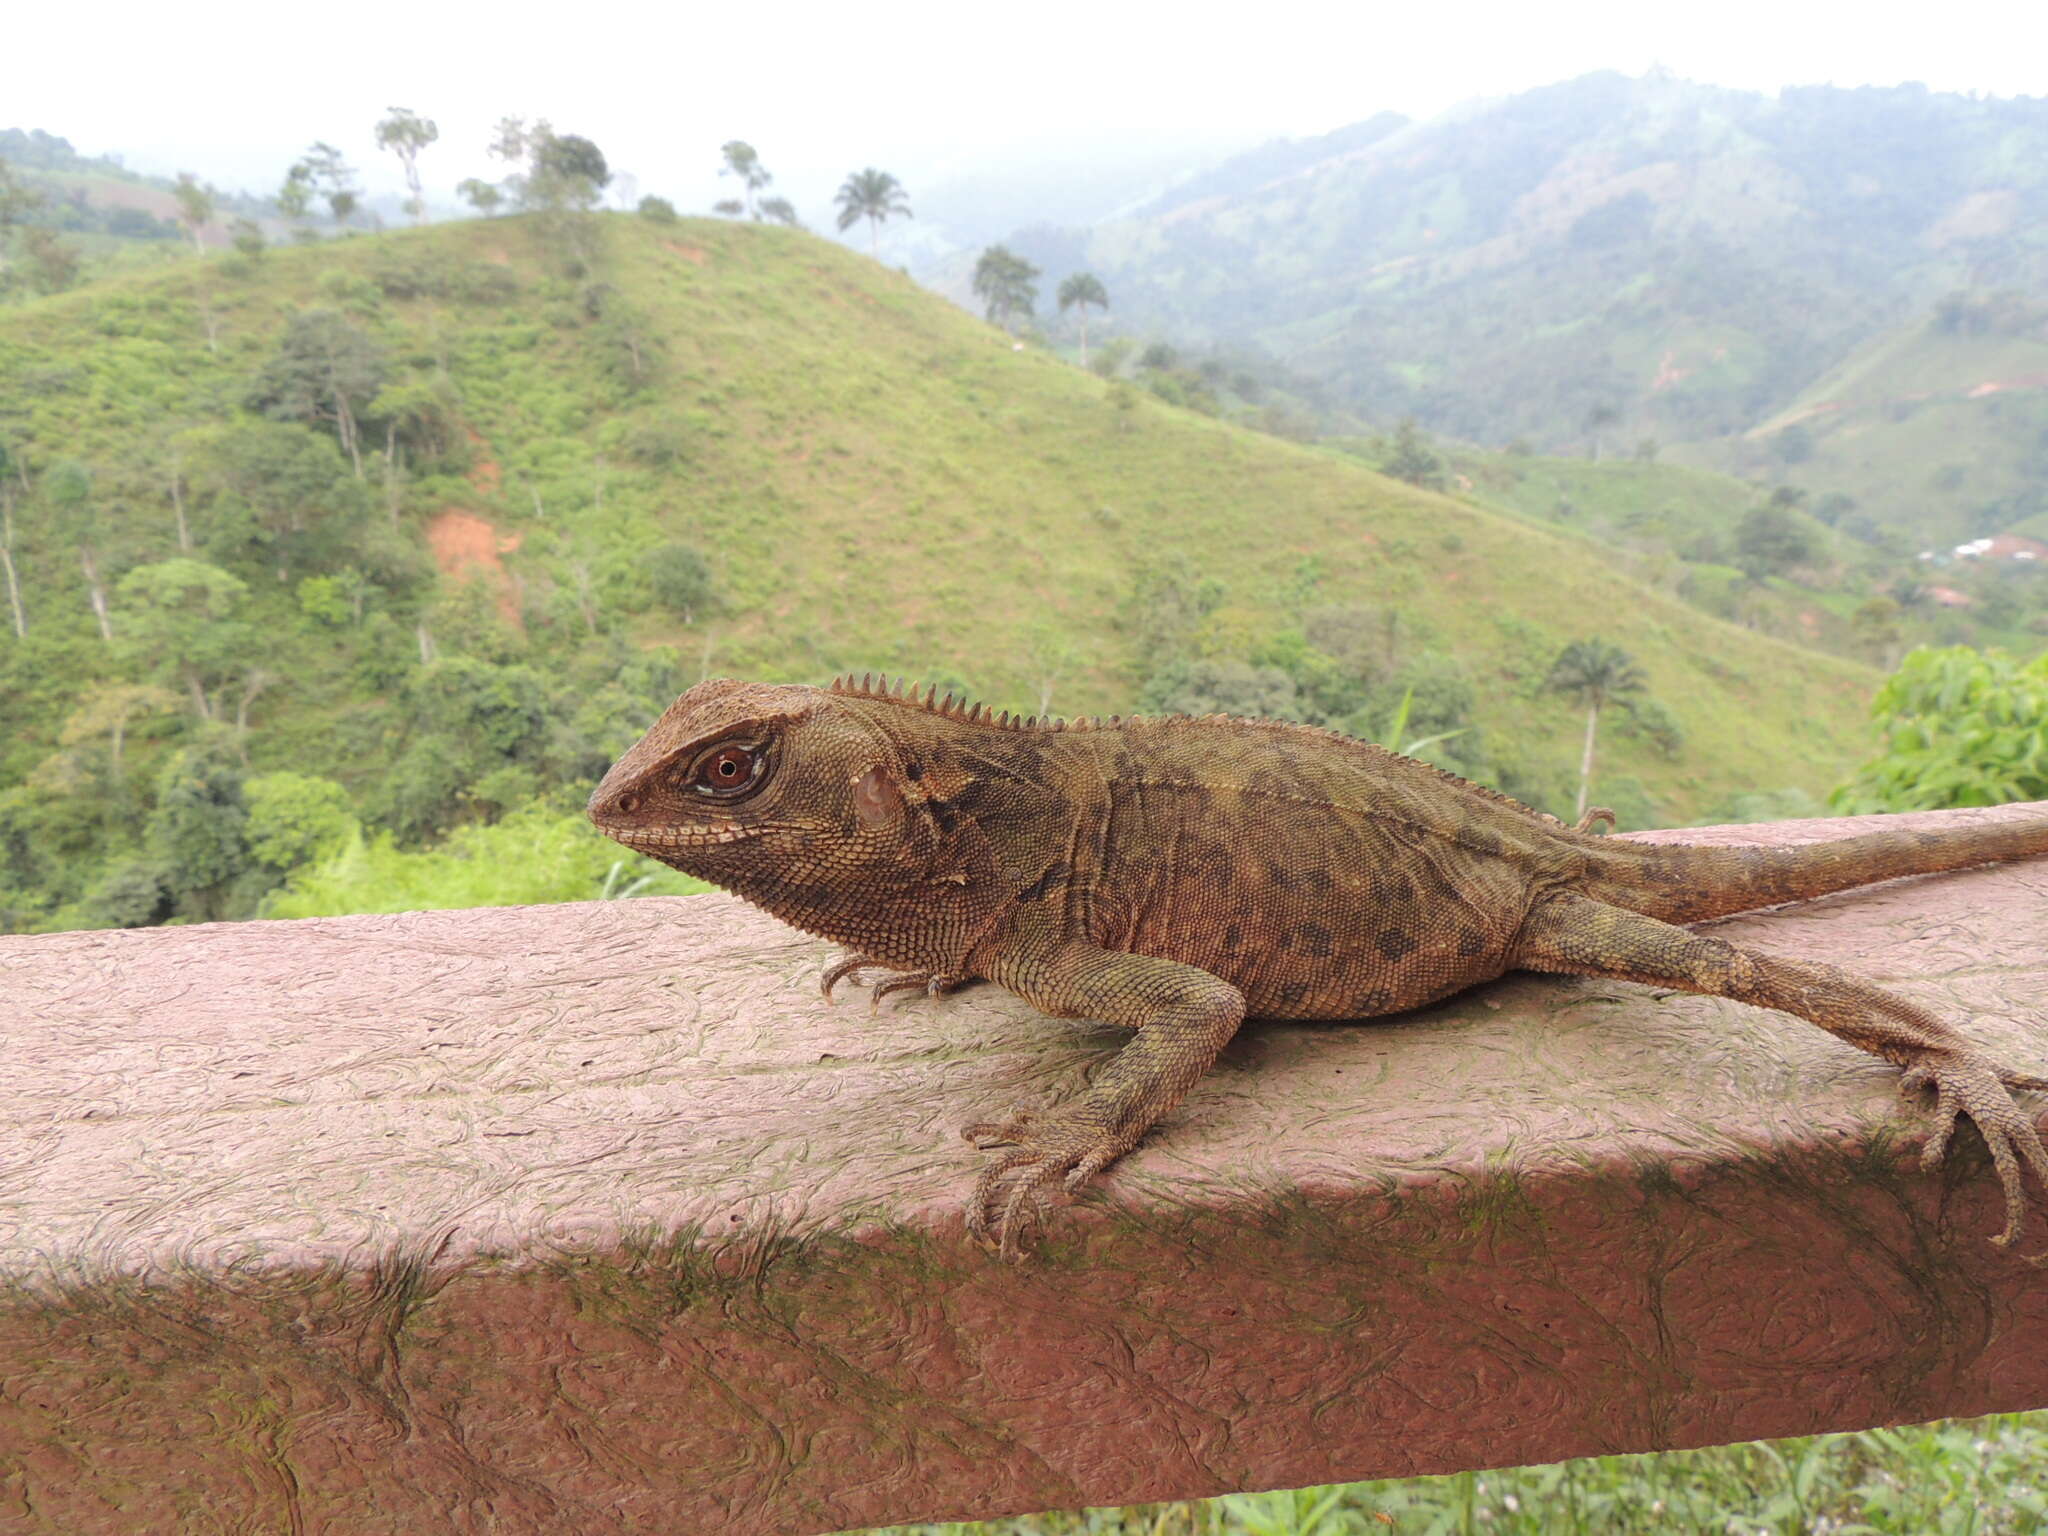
point(1949, 597)
point(1999, 546)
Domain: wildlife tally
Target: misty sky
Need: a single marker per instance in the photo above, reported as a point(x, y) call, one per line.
point(235, 91)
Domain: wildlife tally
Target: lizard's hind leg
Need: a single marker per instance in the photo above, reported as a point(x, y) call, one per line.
point(850, 966)
point(1575, 935)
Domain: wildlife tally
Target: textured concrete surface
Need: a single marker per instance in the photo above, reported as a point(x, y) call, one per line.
point(596, 1218)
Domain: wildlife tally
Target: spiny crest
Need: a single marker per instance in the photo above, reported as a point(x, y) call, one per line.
point(869, 686)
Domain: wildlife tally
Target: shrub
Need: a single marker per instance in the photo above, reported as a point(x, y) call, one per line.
point(681, 580)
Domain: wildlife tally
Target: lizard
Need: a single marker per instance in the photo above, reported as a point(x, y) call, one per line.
point(1176, 874)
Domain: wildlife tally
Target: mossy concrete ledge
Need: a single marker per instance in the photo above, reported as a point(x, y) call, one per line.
point(597, 1218)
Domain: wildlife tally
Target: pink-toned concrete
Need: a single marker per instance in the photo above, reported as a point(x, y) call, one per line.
point(596, 1219)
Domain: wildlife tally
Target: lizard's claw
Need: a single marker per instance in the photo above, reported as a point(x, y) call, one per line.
point(1065, 1148)
point(931, 983)
point(1971, 1085)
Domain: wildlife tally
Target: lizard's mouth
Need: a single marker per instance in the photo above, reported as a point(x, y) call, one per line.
point(660, 839)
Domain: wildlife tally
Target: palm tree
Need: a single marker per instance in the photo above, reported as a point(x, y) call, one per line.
point(1596, 673)
point(875, 196)
point(1078, 292)
point(741, 161)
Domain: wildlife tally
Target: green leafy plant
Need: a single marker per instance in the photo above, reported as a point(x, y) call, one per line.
point(1961, 727)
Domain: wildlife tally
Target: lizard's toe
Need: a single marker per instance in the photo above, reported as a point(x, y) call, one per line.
point(1051, 1153)
point(1010, 1132)
point(846, 965)
point(894, 979)
point(1971, 1085)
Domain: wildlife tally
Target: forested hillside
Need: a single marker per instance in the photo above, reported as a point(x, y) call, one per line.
point(1644, 256)
point(420, 529)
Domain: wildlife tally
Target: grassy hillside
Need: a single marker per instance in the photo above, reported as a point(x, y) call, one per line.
point(874, 479)
point(1938, 428)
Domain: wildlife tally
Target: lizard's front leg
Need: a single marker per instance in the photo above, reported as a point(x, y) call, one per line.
point(1183, 1017)
point(1583, 937)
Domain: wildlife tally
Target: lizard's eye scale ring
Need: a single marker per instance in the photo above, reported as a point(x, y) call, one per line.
point(728, 771)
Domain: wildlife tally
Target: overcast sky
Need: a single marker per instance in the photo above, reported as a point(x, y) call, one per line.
point(234, 91)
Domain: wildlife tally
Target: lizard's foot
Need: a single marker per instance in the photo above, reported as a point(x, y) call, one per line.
point(1061, 1147)
point(931, 983)
point(1969, 1084)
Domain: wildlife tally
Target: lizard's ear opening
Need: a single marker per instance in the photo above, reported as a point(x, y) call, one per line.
point(876, 798)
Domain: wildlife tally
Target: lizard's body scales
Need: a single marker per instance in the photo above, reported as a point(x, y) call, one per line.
point(1175, 874)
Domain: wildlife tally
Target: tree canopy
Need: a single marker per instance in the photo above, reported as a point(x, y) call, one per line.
point(1596, 673)
point(742, 161)
point(1006, 284)
point(872, 195)
point(405, 133)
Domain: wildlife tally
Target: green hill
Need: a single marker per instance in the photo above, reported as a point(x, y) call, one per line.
point(1685, 255)
point(1938, 429)
point(557, 420)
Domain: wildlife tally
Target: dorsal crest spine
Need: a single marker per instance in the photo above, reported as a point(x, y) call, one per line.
point(870, 686)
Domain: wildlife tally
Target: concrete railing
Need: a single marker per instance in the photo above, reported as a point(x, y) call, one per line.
point(596, 1218)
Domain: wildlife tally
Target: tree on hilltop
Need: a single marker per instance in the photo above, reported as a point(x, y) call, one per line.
point(405, 133)
point(1078, 292)
point(483, 196)
point(195, 205)
point(1596, 673)
point(568, 171)
point(559, 170)
point(295, 196)
point(741, 161)
point(322, 166)
point(875, 196)
point(509, 141)
point(1006, 284)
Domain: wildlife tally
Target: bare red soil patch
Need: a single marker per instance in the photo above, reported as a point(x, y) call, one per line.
point(468, 547)
point(695, 253)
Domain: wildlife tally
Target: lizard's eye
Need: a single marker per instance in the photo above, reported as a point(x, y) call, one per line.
point(727, 772)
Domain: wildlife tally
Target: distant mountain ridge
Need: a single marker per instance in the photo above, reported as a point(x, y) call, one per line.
point(1684, 256)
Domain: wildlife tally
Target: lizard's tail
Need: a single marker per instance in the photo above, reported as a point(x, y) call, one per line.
point(1683, 883)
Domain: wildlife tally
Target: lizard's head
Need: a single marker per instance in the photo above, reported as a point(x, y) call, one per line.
point(781, 793)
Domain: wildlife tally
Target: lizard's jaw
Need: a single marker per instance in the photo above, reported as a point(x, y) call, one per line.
point(666, 840)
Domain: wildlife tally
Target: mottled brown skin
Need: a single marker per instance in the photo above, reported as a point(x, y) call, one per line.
point(1175, 875)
